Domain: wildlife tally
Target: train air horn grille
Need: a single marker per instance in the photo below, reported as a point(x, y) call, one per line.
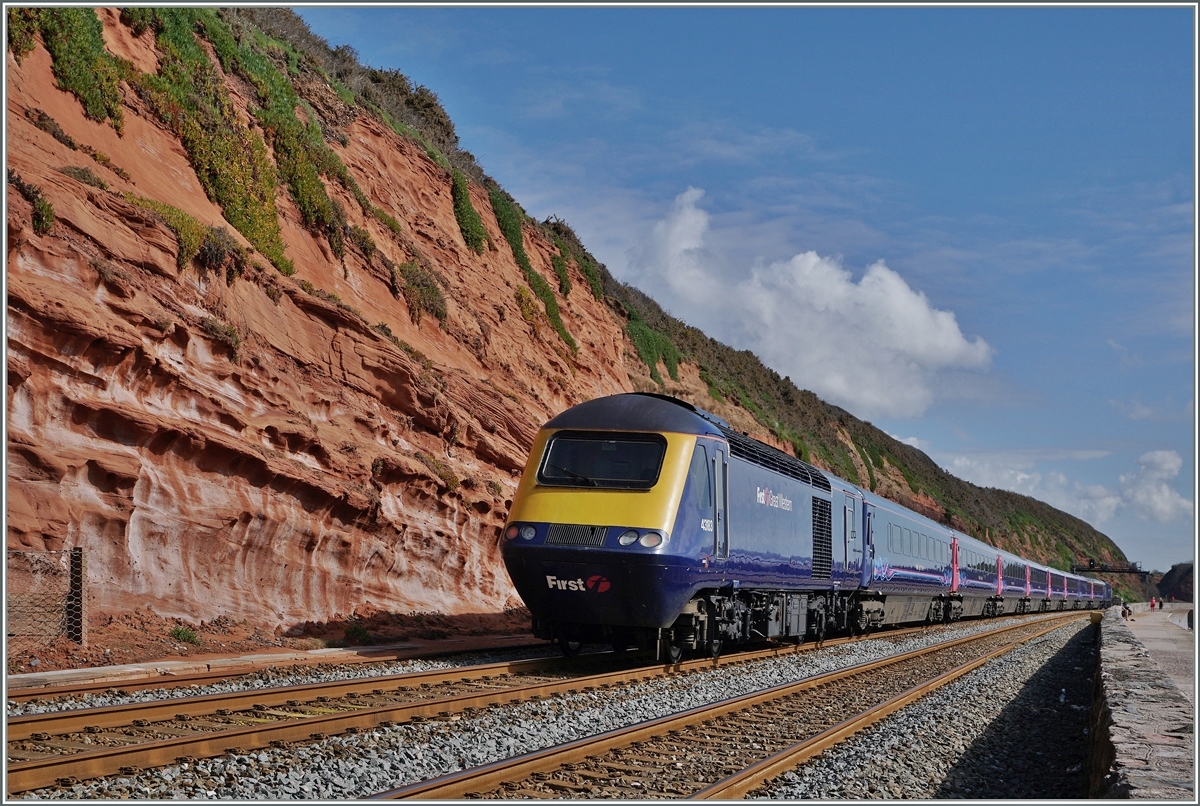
point(563, 534)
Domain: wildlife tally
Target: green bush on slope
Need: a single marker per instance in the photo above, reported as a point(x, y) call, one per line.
point(509, 217)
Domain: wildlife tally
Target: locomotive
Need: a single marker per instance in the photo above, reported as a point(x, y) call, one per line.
point(643, 520)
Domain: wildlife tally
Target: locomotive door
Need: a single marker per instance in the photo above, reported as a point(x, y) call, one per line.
point(721, 493)
point(851, 544)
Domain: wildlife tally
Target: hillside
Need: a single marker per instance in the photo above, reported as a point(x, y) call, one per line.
point(1177, 584)
point(277, 346)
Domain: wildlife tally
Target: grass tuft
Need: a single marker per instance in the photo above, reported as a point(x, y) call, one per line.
point(185, 634)
point(43, 211)
point(84, 175)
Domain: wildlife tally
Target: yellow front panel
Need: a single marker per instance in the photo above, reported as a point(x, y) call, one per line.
point(643, 509)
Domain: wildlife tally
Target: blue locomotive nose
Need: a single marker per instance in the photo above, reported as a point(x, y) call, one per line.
point(611, 588)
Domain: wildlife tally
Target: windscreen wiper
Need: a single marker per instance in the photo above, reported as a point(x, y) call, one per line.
point(573, 474)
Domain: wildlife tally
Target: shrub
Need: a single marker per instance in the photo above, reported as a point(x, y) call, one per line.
point(363, 240)
point(220, 250)
point(230, 160)
point(138, 19)
point(227, 334)
point(509, 217)
point(84, 175)
point(526, 305)
point(23, 27)
point(185, 634)
point(651, 346)
point(494, 487)
point(82, 65)
point(357, 635)
point(49, 124)
point(469, 221)
point(559, 262)
point(188, 231)
point(419, 287)
point(447, 476)
point(43, 211)
point(588, 268)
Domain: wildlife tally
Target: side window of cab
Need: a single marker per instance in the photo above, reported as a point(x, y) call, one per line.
point(698, 492)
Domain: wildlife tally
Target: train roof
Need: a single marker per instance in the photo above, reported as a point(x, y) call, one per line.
point(641, 411)
point(646, 411)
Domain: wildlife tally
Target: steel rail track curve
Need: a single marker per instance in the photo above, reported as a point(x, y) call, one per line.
point(508, 773)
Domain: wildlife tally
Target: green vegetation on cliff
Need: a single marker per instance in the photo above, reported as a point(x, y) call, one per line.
point(82, 65)
point(469, 222)
point(509, 217)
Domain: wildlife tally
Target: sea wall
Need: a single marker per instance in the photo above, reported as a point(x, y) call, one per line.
point(1142, 724)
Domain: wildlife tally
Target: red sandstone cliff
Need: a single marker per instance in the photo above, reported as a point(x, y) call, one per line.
point(315, 470)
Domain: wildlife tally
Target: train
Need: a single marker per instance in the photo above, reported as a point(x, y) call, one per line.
point(642, 520)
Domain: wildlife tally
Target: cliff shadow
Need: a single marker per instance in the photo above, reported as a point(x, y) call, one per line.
point(382, 627)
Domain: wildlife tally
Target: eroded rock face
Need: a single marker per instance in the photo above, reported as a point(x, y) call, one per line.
point(312, 469)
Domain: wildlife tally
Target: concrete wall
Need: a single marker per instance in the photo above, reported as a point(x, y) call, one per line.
point(1142, 724)
point(1144, 607)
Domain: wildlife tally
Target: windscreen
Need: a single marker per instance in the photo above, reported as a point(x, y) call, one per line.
point(603, 459)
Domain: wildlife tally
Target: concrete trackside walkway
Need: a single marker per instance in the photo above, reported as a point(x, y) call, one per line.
point(1166, 637)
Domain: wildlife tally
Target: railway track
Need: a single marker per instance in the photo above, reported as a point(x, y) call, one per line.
point(254, 668)
point(728, 749)
point(60, 748)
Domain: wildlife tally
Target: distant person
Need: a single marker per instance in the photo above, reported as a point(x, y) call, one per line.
point(1151, 602)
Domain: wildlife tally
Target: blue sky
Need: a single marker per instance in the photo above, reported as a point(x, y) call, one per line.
point(973, 227)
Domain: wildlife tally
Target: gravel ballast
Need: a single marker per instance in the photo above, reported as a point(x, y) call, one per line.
point(1014, 728)
point(372, 761)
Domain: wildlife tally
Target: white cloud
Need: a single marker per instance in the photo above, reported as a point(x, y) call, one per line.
point(873, 346)
point(915, 442)
point(1148, 492)
point(1145, 492)
point(1167, 413)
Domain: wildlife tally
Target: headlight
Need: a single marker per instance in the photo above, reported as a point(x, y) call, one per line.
point(511, 533)
point(652, 539)
point(527, 532)
point(628, 538)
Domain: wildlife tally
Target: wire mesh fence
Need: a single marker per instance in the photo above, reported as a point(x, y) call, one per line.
point(45, 599)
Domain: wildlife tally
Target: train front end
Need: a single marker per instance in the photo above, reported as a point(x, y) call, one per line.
point(589, 543)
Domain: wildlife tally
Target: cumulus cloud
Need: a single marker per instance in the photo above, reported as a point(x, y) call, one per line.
point(873, 346)
point(1148, 492)
point(1145, 492)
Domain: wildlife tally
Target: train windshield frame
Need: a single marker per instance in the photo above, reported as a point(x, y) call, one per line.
point(608, 460)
